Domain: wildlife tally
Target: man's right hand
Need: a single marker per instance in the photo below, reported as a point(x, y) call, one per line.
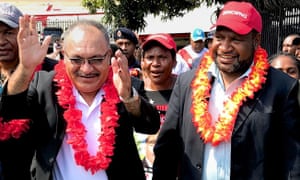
point(31, 54)
point(31, 51)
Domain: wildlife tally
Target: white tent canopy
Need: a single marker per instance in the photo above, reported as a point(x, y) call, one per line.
point(202, 17)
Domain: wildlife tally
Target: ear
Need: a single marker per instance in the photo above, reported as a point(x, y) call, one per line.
point(174, 62)
point(142, 63)
point(257, 40)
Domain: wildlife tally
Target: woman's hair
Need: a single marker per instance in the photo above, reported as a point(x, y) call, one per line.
point(281, 53)
point(155, 43)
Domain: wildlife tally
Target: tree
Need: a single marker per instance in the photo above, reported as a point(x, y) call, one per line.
point(132, 13)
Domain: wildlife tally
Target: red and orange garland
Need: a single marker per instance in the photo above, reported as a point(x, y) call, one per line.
point(75, 129)
point(221, 130)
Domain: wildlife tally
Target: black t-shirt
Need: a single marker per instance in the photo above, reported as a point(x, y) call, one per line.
point(160, 100)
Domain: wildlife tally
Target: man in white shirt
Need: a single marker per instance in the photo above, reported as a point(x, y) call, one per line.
point(79, 119)
point(193, 52)
point(234, 117)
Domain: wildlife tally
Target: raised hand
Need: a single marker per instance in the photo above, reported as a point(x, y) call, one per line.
point(31, 52)
point(121, 75)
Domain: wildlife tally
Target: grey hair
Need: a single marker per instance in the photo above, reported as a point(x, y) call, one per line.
point(85, 23)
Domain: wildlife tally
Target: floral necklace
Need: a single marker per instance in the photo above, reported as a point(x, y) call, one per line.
point(13, 128)
point(223, 127)
point(76, 130)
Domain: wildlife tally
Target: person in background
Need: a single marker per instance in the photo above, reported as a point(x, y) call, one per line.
point(127, 41)
point(81, 115)
point(193, 52)
point(18, 163)
point(137, 52)
point(114, 48)
point(9, 57)
point(57, 53)
point(209, 39)
point(181, 67)
point(287, 44)
point(285, 62)
point(296, 42)
point(149, 157)
point(158, 60)
point(288, 64)
point(234, 117)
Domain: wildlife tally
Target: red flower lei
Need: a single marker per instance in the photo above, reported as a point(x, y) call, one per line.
point(76, 130)
point(13, 128)
point(223, 127)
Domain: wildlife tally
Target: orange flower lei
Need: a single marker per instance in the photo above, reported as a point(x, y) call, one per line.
point(223, 127)
point(76, 130)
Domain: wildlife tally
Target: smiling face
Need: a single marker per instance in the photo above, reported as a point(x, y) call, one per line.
point(233, 53)
point(157, 64)
point(87, 42)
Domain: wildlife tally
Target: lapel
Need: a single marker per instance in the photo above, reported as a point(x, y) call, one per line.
point(245, 110)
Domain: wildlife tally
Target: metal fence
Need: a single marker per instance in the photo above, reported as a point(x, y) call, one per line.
point(277, 25)
point(64, 21)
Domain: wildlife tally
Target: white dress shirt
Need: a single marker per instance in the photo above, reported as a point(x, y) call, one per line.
point(216, 164)
point(65, 167)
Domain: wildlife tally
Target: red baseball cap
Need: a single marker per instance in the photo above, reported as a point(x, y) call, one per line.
point(164, 39)
point(240, 17)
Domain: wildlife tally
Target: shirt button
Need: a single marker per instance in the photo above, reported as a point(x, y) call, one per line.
point(198, 166)
point(51, 160)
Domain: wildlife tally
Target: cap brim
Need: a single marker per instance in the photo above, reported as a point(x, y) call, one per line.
point(197, 39)
point(9, 23)
point(165, 44)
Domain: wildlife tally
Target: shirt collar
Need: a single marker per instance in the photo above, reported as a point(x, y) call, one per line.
point(214, 71)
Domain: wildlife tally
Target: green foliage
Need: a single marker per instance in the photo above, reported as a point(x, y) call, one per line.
point(132, 13)
point(91, 5)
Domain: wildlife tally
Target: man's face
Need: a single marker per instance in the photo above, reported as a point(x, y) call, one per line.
point(8, 43)
point(233, 53)
point(297, 52)
point(287, 65)
point(87, 43)
point(197, 46)
point(287, 45)
point(127, 46)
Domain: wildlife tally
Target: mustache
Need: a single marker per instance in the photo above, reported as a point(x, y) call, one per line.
point(90, 75)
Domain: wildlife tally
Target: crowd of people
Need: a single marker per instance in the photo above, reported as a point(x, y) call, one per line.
point(221, 107)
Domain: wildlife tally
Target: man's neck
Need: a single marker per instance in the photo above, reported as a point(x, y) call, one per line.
point(6, 68)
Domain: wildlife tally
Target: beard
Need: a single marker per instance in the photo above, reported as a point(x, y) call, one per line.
point(238, 67)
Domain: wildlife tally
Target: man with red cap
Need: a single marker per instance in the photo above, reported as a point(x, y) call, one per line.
point(234, 117)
